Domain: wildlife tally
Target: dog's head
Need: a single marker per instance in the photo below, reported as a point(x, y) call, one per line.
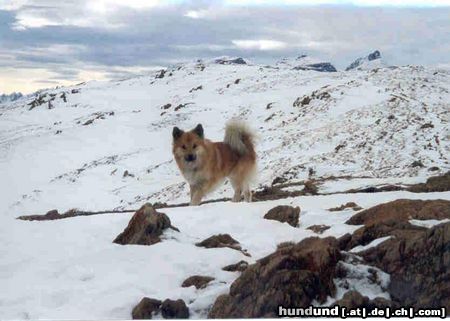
point(188, 147)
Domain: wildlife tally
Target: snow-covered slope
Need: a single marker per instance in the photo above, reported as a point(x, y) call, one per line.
point(106, 145)
point(80, 140)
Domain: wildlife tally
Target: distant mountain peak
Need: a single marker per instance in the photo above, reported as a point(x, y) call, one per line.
point(360, 62)
point(230, 61)
point(4, 98)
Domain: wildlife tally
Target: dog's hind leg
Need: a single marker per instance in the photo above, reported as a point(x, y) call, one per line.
point(237, 189)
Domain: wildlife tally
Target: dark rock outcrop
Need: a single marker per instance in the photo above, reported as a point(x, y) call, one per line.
point(294, 275)
point(230, 61)
point(417, 258)
point(319, 229)
point(237, 267)
point(351, 205)
point(199, 281)
point(146, 309)
point(172, 309)
point(440, 183)
point(354, 299)
point(221, 240)
point(284, 214)
point(145, 227)
point(402, 210)
point(321, 67)
point(419, 264)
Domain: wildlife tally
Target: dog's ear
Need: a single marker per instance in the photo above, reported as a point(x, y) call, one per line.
point(199, 130)
point(176, 133)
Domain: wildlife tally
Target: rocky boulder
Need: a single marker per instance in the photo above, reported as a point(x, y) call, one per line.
point(417, 258)
point(284, 214)
point(174, 309)
point(237, 267)
point(354, 299)
point(222, 240)
point(419, 265)
point(294, 275)
point(146, 309)
point(402, 210)
point(145, 227)
point(199, 281)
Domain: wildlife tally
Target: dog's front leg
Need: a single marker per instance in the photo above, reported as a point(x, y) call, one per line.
point(196, 195)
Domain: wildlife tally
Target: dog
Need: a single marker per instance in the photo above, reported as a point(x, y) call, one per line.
point(205, 164)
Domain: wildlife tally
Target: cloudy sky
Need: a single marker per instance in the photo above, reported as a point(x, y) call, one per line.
point(45, 43)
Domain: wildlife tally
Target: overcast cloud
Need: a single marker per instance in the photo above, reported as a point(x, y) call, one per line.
point(44, 43)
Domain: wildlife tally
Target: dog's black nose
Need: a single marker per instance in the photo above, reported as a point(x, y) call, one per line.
point(190, 158)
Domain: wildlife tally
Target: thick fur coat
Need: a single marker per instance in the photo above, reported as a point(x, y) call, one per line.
point(205, 164)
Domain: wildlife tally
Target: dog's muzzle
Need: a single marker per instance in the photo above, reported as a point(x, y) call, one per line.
point(190, 158)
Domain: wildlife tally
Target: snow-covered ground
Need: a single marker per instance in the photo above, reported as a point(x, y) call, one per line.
point(72, 150)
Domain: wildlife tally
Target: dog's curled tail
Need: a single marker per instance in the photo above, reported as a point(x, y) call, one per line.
point(240, 138)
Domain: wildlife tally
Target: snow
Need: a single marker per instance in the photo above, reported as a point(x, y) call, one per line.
point(428, 223)
point(374, 243)
point(48, 159)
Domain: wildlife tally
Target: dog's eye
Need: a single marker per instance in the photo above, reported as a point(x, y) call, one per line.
point(184, 146)
point(194, 147)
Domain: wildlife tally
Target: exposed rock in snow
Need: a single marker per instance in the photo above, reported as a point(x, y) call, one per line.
point(238, 267)
point(351, 205)
point(401, 211)
point(230, 61)
point(199, 281)
point(353, 299)
point(145, 227)
point(372, 60)
point(221, 240)
point(284, 214)
point(318, 229)
point(293, 275)
point(147, 308)
point(321, 66)
point(174, 309)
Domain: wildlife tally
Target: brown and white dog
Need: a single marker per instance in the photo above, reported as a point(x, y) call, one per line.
point(205, 164)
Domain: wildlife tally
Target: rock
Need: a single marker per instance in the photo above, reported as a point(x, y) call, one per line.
point(166, 106)
point(319, 229)
point(146, 309)
point(230, 61)
point(294, 275)
point(49, 216)
point(127, 173)
point(417, 163)
point(303, 101)
point(402, 210)
point(427, 125)
point(417, 258)
point(199, 281)
point(419, 265)
point(321, 67)
point(237, 267)
point(221, 240)
point(171, 309)
point(284, 214)
point(145, 227)
point(310, 188)
point(439, 183)
point(351, 205)
point(354, 299)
